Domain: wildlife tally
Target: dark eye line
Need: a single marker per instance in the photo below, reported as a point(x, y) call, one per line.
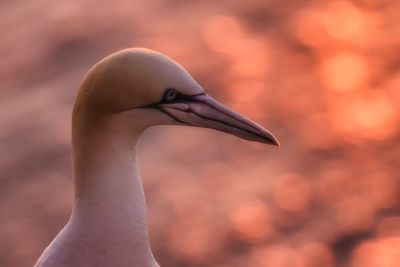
point(179, 96)
point(196, 94)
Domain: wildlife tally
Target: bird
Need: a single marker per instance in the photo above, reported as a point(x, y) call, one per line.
point(119, 98)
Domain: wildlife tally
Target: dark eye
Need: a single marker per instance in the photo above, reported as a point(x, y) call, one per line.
point(170, 95)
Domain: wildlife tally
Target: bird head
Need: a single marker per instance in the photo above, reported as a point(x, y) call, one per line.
point(160, 92)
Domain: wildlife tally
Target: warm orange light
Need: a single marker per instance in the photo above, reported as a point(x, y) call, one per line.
point(221, 33)
point(316, 255)
point(190, 238)
point(252, 221)
point(382, 252)
point(309, 28)
point(369, 115)
point(249, 53)
point(292, 193)
point(247, 95)
point(344, 21)
point(344, 71)
point(276, 256)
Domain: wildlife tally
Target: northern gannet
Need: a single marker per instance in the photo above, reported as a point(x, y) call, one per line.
point(121, 96)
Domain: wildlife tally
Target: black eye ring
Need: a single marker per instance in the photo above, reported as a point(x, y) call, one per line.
point(170, 94)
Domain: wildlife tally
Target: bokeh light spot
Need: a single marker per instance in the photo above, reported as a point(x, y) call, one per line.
point(292, 193)
point(344, 21)
point(252, 221)
point(377, 253)
point(316, 255)
point(344, 71)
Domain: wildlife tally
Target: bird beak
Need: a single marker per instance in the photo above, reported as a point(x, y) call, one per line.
point(203, 111)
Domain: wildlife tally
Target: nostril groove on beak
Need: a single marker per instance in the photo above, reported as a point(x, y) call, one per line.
point(258, 133)
point(230, 116)
point(245, 125)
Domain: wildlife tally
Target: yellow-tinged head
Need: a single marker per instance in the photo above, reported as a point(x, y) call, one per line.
point(162, 91)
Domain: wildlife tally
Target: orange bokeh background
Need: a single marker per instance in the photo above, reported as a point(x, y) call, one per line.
point(323, 76)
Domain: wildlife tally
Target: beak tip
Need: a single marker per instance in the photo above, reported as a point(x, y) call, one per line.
point(270, 139)
point(274, 142)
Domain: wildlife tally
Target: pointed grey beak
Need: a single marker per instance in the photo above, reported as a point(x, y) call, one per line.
point(203, 111)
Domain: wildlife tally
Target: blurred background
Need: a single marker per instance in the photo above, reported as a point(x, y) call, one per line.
point(323, 76)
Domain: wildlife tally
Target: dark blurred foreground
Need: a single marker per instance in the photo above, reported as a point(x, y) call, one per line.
point(324, 76)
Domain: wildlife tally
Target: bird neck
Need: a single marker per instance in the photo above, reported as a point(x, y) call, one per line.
point(109, 197)
point(106, 176)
